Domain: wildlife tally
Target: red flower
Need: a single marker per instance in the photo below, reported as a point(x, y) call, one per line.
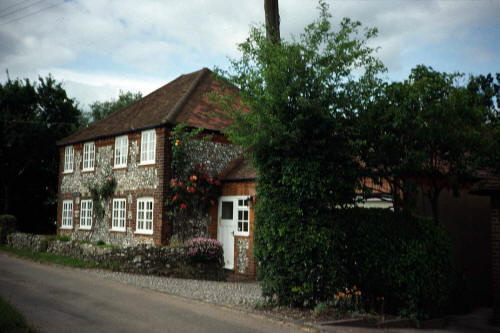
point(212, 202)
point(194, 184)
point(193, 178)
point(183, 206)
point(217, 182)
point(209, 181)
point(204, 166)
point(108, 179)
point(181, 183)
point(175, 197)
point(173, 182)
point(171, 134)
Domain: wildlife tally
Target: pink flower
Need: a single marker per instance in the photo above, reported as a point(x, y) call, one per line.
point(108, 179)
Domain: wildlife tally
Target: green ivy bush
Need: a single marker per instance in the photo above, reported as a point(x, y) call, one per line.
point(8, 225)
point(405, 259)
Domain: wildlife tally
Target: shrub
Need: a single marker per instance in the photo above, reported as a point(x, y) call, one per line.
point(205, 250)
point(8, 225)
point(405, 259)
point(63, 238)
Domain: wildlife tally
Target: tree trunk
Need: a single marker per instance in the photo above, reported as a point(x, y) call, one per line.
point(271, 10)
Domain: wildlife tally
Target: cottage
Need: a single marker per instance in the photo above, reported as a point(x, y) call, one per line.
point(132, 148)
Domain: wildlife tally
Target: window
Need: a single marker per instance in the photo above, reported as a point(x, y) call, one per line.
point(148, 147)
point(67, 215)
point(88, 156)
point(68, 159)
point(243, 220)
point(119, 206)
point(86, 214)
point(144, 222)
point(121, 151)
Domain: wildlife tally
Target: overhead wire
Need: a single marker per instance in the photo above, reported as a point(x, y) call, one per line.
point(32, 13)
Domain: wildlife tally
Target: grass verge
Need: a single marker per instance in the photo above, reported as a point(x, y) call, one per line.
point(51, 258)
point(11, 320)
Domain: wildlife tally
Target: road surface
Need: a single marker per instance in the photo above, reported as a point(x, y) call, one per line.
point(62, 299)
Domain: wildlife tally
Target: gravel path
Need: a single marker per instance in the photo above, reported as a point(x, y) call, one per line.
point(239, 294)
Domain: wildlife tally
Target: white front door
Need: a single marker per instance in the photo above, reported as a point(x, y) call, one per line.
point(226, 228)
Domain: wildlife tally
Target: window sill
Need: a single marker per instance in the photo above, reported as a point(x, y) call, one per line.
point(87, 170)
point(67, 172)
point(242, 234)
point(143, 232)
point(119, 167)
point(117, 230)
point(146, 163)
point(66, 228)
point(85, 228)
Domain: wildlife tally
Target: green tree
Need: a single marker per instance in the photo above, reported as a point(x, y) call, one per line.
point(428, 130)
point(101, 110)
point(303, 95)
point(33, 116)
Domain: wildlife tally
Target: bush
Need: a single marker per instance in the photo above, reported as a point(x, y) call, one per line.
point(405, 259)
point(8, 225)
point(205, 250)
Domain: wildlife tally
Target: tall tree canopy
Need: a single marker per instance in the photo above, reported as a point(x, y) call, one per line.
point(101, 110)
point(33, 116)
point(302, 94)
point(429, 130)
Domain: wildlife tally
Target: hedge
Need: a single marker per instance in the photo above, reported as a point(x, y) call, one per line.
point(405, 259)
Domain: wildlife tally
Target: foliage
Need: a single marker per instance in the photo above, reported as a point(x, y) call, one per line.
point(33, 117)
point(11, 320)
point(303, 95)
point(8, 225)
point(63, 238)
point(403, 258)
point(205, 250)
point(101, 110)
point(101, 192)
point(192, 191)
point(428, 130)
point(348, 300)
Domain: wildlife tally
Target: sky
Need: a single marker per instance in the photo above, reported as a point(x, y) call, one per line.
point(97, 48)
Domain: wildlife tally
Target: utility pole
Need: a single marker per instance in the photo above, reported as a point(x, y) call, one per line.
point(272, 13)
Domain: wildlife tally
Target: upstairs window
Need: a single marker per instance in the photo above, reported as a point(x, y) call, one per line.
point(67, 215)
point(68, 159)
point(88, 156)
point(121, 151)
point(144, 222)
point(86, 214)
point(148, 147)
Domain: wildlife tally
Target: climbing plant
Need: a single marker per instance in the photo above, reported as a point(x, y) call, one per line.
point(101, 191)
point(192, 191)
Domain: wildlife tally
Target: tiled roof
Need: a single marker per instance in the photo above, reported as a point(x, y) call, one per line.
point(238, 170)
point(181, 100)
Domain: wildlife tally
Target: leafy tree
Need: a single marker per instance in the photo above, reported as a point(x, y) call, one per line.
point(101, 110)
point(33, 116)
point(428, 130)
point(302, 94)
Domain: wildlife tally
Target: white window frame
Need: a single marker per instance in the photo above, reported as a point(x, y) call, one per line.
point(88, 156)
point(142, 220)
point(241, 207)
point(67, 214)
point(86, 209)
point(148, 147)
point(119, 214)
point(68, 159)
point(121, 151)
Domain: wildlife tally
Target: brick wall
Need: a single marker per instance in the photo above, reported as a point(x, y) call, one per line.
point(495, 255)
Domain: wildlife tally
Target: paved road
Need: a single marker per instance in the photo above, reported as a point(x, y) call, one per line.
point(61, 299)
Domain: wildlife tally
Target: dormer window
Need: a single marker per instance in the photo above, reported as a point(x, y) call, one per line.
point(88, 156)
